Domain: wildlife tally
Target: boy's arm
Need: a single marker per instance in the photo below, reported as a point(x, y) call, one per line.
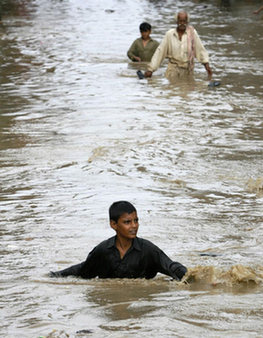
point(87, 269)
point(73, 270)
point(168, 267)
point(132, 51)
point(178, 270)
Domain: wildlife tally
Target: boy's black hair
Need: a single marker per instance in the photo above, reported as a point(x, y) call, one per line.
point(119, 208)
point(145, 27)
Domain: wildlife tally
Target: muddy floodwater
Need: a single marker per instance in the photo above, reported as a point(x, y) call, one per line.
point(79, 130)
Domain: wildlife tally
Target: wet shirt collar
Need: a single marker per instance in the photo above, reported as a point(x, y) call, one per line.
point(176, 33)
point(135, 244)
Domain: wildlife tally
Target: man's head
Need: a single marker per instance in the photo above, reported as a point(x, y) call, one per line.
point(145, 29)
point(182, 20)
point(124, 220)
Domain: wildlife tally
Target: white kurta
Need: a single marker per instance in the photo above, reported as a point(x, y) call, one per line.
point(176, 51)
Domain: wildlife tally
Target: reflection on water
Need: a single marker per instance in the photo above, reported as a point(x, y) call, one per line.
point(126, 299)
point(79, 130)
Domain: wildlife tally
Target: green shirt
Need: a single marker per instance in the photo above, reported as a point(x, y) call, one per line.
point(145, 53)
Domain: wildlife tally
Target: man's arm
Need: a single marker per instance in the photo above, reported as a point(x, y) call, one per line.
point(158, 57)
point(202, 55)
point(209, 70)
point(258, 10)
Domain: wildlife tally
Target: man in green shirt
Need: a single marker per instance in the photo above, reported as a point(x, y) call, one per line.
point(143, 48)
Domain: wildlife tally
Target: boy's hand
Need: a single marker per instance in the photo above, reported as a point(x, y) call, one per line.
point(54, 274)
point(137, 59)
point(181, 271)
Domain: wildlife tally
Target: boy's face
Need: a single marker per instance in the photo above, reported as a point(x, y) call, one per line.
point(127, 226)
point(145, 35)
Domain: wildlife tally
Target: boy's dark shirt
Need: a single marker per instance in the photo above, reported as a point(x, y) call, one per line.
point(142, 260)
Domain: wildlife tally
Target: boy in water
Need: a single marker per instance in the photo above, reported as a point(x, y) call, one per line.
point(143, 48)
point(124, 255)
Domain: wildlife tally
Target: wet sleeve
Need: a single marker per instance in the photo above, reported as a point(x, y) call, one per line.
point(86, 269)
point(73, 270)
point(200, 51)
point(132, 51)
point(159, 55)
point(168, 267)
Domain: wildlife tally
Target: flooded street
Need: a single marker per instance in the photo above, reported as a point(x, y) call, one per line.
point(79, 130)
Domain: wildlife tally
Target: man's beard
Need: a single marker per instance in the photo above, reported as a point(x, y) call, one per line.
point(182, 27)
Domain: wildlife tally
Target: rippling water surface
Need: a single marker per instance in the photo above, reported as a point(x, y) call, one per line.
point(79, 130)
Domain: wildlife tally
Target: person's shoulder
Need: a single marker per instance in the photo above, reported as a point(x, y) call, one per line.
point(194, 30)
point(102, 249)
point(135, 42)
point(146, 243)
point(107, 243)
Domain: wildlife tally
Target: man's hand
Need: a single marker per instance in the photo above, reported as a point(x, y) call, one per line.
point(259, 10)
point(148, 74)
point(209, 70)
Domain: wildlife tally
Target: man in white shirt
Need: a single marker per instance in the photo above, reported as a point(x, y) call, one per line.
point(181, 46)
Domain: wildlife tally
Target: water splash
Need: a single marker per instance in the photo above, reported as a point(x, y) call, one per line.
point(255, 185)
point(236, 276)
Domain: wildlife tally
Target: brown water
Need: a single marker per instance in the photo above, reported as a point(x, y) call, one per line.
point(79, 130)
